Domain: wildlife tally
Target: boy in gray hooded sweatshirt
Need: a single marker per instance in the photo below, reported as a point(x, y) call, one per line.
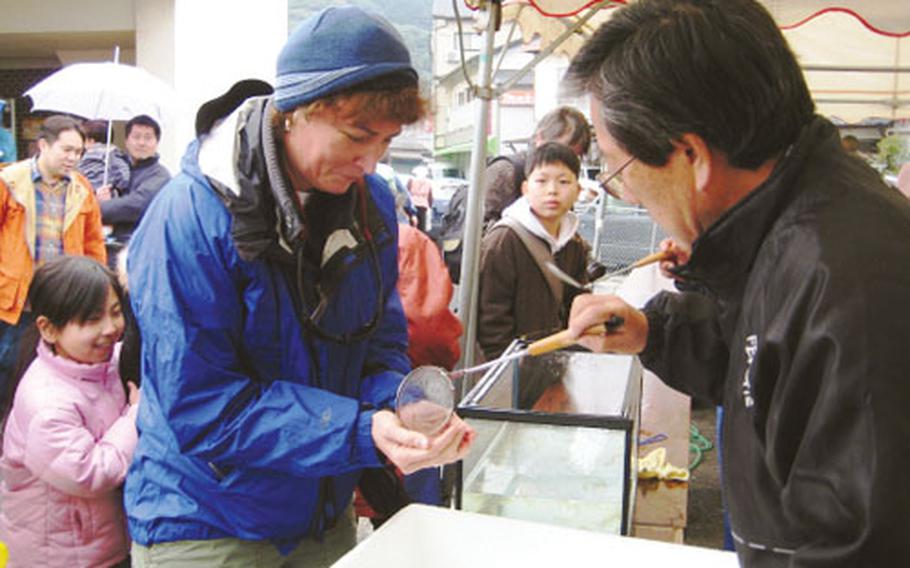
point(518, 295)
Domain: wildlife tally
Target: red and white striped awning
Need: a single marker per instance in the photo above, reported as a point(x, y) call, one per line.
point(856, 53)
point(883, 17)
point(886, 17)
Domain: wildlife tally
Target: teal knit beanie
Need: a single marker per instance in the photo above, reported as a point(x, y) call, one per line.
point(337, 48)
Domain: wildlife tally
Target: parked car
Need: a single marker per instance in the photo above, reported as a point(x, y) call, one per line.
point(441, 170)
point(443, 191)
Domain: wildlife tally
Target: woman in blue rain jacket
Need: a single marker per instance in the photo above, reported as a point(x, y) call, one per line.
point(263, 281)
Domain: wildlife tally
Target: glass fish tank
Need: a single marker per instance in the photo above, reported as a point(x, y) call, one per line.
point(556, 440)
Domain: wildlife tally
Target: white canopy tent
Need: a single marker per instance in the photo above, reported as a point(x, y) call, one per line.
point(855, 54)
point(854, 72)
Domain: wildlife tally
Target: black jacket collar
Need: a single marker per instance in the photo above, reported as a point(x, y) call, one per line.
point(723, 256)
point(266, 214)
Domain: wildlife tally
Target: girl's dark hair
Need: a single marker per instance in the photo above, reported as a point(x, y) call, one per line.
point(552, 153)
point(65, 289)
point(143, 120)
point(71, 288)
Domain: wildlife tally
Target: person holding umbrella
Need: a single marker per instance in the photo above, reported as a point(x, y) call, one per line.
point(47, 209)
point(147, 177)
point(273, 338)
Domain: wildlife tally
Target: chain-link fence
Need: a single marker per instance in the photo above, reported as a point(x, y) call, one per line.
point(619, 234)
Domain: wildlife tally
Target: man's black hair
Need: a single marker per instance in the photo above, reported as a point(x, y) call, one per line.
point(552, 153)
point(720, 69)
point(144, 120)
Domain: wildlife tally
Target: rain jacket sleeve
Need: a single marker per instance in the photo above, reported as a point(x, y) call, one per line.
point(685, 345)
point(64, 454)
point(433, 330)
point(387, 360)
point(209, 320)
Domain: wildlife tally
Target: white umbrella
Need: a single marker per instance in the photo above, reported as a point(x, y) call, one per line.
point(108, 91)
point(103, 91)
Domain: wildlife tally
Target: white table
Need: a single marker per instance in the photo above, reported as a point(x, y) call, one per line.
point(422, 536)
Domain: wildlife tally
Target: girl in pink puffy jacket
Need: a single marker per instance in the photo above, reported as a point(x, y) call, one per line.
point(70, 431)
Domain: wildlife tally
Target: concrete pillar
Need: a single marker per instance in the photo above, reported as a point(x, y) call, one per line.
point(155, 52)
point(202, 47)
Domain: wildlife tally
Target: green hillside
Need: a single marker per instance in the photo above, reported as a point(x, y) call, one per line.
point(412, 18)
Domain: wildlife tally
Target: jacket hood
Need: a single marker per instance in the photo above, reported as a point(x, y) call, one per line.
point(723, 256)
point(240, 157)
point(521, 211)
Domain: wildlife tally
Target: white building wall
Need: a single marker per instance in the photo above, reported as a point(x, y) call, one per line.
point(516, 124)
point(202, 47)
point(547, 76)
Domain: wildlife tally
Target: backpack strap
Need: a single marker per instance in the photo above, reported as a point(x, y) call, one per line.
point(541, 254)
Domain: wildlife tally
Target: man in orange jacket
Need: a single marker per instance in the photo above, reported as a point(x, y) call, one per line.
point(46, 210)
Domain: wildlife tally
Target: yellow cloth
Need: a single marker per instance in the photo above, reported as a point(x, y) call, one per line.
point(656, 466)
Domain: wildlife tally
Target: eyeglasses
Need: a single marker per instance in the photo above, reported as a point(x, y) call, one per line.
point(604, 179)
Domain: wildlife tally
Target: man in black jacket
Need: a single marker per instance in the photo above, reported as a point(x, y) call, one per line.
point(796, 301)
point(147, 177)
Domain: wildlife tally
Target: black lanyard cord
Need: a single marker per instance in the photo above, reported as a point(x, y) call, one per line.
point(311, 317)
